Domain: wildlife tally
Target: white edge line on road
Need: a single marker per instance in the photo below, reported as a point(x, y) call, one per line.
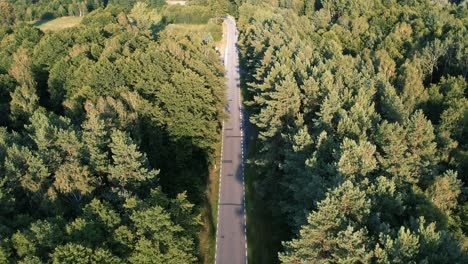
point(221, 160)
point(219, 189)
point(242, 160)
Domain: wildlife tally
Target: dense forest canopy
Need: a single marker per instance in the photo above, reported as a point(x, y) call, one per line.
point(362, 116)
point(30, 10)
point(107, 131)
point(27, 10)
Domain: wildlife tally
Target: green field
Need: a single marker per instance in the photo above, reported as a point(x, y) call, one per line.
point(215, 30)
point(58, 23)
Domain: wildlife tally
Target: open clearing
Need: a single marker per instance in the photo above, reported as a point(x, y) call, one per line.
point(58, 23)
point(175, 2)
point(215, 30)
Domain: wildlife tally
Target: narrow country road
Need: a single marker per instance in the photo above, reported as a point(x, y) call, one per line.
point(231, 242)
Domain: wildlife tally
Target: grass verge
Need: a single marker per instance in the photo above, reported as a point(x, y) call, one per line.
point(58, 23)
point(221, 45)
point(264, 232)
point(207, 235)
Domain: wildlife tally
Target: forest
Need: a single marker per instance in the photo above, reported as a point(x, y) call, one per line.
point(361, 112)
point(107, 132)
point(31, 10)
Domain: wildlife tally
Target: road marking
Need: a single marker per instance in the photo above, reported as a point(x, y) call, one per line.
point(221, 165)
point(242, 161)
point(230, 82)
point(219, 189)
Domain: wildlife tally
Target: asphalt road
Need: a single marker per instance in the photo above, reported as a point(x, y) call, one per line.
point(231, 242)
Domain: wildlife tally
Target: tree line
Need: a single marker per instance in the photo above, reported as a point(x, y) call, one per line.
point(106, 136)
point(29, 10)
point(361, 114)
point(195, 11)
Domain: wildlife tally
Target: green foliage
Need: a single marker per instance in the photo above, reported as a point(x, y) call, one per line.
point(98, 120)
point(7, 13)
point(24, 102)
point(128, 168)
point(425, 244)
point(143, 17)
point(352, 96)
point(76, 253)
point(195, 14)
point(445, 190)
point(334, 233)
point(30, 10)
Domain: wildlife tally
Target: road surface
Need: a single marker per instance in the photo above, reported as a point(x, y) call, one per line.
point(231, 242)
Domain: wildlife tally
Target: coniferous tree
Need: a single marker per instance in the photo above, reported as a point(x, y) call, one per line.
point(379, 107)
point(130, 167)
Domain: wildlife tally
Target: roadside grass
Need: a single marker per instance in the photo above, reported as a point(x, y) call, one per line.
point(207, 235)
point(264, 232)
point(58, 23)
point(221, 45)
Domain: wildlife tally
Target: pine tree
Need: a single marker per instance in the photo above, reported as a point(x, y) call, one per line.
point(96, 139)
point(422, 153)
point(413, 93)
point(391, 105)
point(160, 240)
point(384, 64)
point(393, 157)
point(298, 179)
point(356, 161)
point(337, 223)
point(24, 103)
point(21, 68)
point(445, 191)
point(74, 180)
point(4, 255)
point(424, 244)
point(7, 13)
point(130, 167)
point(76, 253)
point(27, 173)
